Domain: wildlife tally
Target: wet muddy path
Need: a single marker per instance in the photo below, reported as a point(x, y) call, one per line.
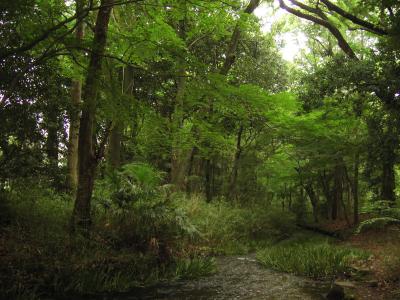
point(238, 277)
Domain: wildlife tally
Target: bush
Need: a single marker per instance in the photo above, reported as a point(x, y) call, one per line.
point(140, 214)
point(314, 260)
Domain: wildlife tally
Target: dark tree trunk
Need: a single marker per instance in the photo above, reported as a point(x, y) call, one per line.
point(76, 90)
point(230, 55)
point(325, 184)
point(114, 145)
point(355, 187)
point(179, 155)
point(193, 153)
point(337, 191)
point(87, 158)
point(53, 125)
point(208, 180)
point(114, 153)
point(232, 190)
point(314, 200)
point(388, 176)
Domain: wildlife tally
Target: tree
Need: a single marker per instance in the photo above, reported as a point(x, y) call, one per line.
point(88, 157)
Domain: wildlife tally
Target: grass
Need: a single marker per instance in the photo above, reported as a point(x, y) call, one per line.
point(316, 258)
point(228, 229)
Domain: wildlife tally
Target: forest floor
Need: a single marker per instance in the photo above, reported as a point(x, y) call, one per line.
point(237, 277)
point(379, 277)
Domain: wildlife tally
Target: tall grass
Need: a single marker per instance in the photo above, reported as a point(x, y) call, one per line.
point(226, 228)
point(319, 260)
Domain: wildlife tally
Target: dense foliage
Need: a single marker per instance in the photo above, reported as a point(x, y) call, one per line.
point(137, 138)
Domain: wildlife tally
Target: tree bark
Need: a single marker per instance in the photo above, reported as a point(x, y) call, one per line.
point(178, 157)
point(76, 92)
point(208, 180)
point(235, 168)
point(87, 158)
point(337, 191)
point(388, 162)
point(230, 55)
point(355, 187)
point(314, 200)
point(53, 126)
point(114, 146)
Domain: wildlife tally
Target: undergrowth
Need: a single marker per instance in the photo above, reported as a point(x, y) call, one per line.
point(141, 234)
point(140, 243)
point(230, 229)
point(316, 258)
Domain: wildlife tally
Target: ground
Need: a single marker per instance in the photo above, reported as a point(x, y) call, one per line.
point(381, 274)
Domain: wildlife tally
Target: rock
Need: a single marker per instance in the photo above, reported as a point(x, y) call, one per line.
point(362, 270)
point(345, 284)
point(335, 293)
point(372, 283)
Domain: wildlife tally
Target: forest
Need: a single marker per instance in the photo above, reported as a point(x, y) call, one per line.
point(199, 149)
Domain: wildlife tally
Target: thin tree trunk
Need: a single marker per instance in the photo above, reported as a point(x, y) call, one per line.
point(230, 55)
point(314, 200)
point(235, 168)
point(53, 127)
point(355, 187)
point(114, 146)
point(87, 158)
point(193, 153)
point(337, 191)
point(114, 151)
point(388, 162)
point(325, 183)
point(178, 159)
point(208, 180)
point(76, 91)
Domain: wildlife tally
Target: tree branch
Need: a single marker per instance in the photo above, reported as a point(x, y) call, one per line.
point(325, 23)
point(46, 34)
point(367, 25)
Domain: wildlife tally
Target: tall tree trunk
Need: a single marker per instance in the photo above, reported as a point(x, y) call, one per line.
point(53, 125)
point(87, 158)
point(355, 187)
point(314, 200)
point(230, 55)
point(208, 180)
point(325, 183)
point(76, 89)
point(337, 191)
point(233, 178)
point(193, 153)
point(114, 145)
point(114, 151)
point(178, 157)
point(388, 162)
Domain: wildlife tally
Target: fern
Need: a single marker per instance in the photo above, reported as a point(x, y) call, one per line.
point(376, 223)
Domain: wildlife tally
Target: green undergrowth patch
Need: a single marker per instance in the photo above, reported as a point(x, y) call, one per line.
point(228, 229)
point(315, 257)
point(140, 245)
point(141, 235)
